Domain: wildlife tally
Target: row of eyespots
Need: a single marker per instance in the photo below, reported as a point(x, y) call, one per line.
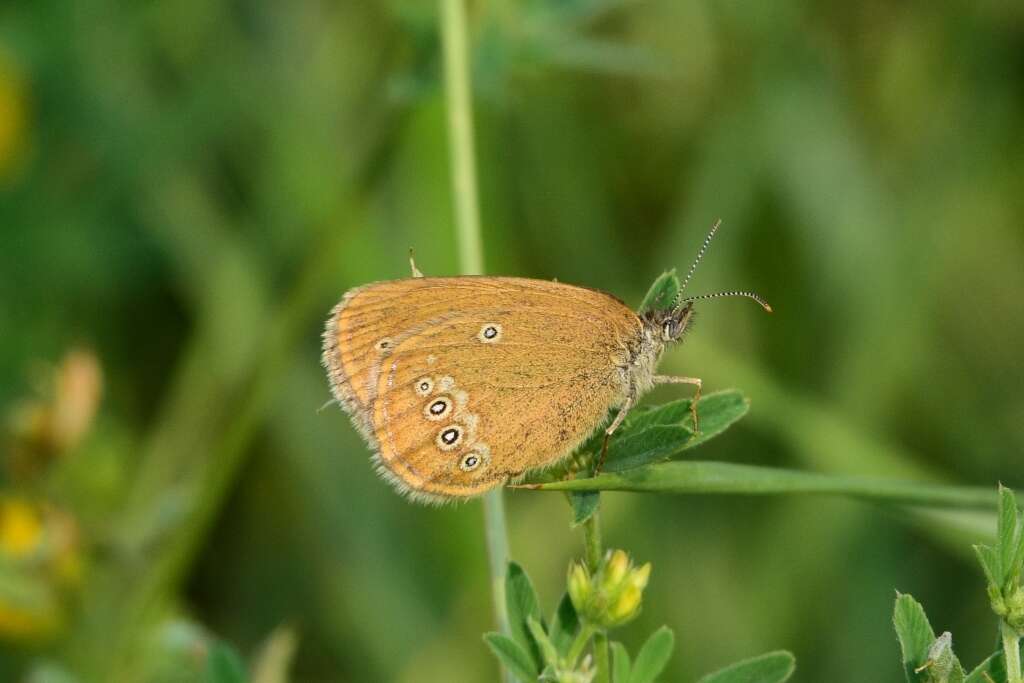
point(450, 436)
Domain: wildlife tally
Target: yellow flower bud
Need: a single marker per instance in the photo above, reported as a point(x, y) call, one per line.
point(626, 607)
point(615, 569)
point(639, 577)
point(579, 586)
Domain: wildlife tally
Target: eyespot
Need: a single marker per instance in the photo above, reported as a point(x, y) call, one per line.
point(449, 437)
point(423, 386)
point(470, 461)
point(438, 409)
point(489, 333)
point(384, 344)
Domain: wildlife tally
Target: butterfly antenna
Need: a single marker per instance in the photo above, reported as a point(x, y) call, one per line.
point(750, 295)
point(700, 254)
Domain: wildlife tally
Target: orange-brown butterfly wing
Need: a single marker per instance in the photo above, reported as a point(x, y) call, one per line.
point(463, 383)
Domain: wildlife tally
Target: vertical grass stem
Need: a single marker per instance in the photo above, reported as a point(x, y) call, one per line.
point(471, 262)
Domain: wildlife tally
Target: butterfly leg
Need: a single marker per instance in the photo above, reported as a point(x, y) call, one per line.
point(412, 263)
point(623, 411)
point(667, 379)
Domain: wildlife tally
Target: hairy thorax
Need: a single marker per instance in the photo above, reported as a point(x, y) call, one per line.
point(645, 352)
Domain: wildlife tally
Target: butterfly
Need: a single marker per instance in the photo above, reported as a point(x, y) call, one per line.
point(461, 384)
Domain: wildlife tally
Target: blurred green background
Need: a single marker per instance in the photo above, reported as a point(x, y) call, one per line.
point(187, 187)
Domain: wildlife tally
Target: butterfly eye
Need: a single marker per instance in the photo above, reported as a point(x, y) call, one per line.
point(489, 333)
point(470, 462)
point(438, 408)
point(423, 386)
point(384, 344)
point(449, 437)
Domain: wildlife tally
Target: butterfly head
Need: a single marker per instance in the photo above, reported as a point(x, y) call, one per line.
point(669, 325)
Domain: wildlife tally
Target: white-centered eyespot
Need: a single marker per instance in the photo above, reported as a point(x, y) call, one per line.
point(489, 333)
point(470, 461)
point(438, 409)
point(423, 386)
point(384, 344)
point(449, 437)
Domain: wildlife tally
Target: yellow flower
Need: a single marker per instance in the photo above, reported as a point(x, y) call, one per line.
point(613, 596)
point(21, 528)
point(13, 118)
point(615, 569)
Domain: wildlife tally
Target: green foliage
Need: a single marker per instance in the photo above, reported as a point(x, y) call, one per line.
point(992, 669)
point(223, 665)
point(653, 656)
point(662, 292)
point(773, 667)
point(925, 658)
point(1003, 563)
point(565, 624)
point(522, 605)
point(621, 664)
point(729, 478)
point(584, 505)
point(512, 656)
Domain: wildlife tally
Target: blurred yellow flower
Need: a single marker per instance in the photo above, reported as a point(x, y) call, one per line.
point(13, 118)
point(21, 528)
point(40, 562)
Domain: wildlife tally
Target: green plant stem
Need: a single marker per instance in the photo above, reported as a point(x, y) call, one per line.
point(592, 541)
point(582, 638)
point(460, 135)
point(1011, 651)
point(729, 478)
point(497, 554)
point(471, 261)
point(601, 661)
point(592, 548)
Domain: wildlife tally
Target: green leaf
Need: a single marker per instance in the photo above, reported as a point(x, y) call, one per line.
point(564, 625)
point(657, 434)
point(720, 477)
point(620, 663)
point(914, 633)
point(1007, 533)
point(1017, 563)
point(991, 564)
point(653, 656)
point(512, 656)
point(662, 293)
point(223, 665)
point(547, 648)
point(716, 412)
point(994, 666)
point(584, 505)
point(543, 641)
point(651, 445)
point(521, 601)
point(772, 667)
